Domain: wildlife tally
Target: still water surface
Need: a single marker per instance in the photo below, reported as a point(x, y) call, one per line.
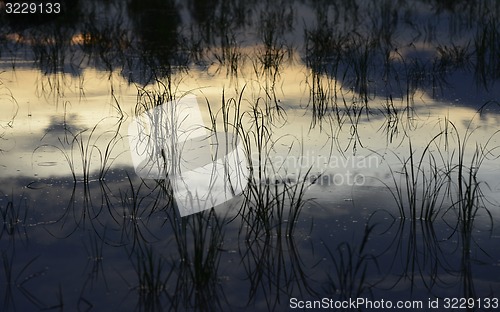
point(370, 134)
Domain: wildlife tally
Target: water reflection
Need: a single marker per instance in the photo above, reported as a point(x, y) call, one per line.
point(156, 24)
point(402, 82)
point(184, 262)
point(145, 46)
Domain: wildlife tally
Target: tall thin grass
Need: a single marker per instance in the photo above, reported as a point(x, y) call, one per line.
point(348, 276)
point(272, 204)
point(266, 203)
point(269, 199)
point(444, 176)
point(199, 241)
point(468, 198)
point(487, 51)
point(83, 148)
point(418, 191)
point(153, 274)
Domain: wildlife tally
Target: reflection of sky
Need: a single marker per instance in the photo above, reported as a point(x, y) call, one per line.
point(48, 109)
point(338, 214)
point(66, 231)
point(87, 101)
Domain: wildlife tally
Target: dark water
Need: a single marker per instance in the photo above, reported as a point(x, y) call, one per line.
point(369, 131)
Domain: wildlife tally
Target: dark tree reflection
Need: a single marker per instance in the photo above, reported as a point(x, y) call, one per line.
point(156, 23)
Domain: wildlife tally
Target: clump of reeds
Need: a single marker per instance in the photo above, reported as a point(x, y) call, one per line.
point(268, 201)
point(274, 23)
point(348, 276)
point(81, 151)
point(443, 177)
point(153, 274)
point(199, 240)
point(419, 190)
point(326, 53)
point(229, 55)
point(487, 51)
point(268, 207)
point(468, 197)
point(150, 269)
